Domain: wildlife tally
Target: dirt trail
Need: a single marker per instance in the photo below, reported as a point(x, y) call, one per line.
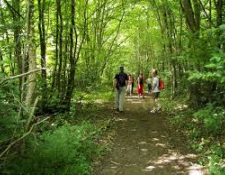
point(144, 145)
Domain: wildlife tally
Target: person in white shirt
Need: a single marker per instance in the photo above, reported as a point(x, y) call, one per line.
point(155, 92)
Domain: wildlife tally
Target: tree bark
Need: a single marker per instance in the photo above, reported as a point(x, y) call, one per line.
point(30, 52)
point(73, 50)
point(41, 27)
point(2, 66)
point(17, 43)
point(219, 12)
point(60, 42)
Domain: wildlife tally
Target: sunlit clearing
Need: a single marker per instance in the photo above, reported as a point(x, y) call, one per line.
point(155, 139)
point(176, 167)
point(195, 170)
point(99, 101)
point(161, 145)
point(144, 150)
point(121, 119)
point(178, 162)
point(136, 102)
point(149, 168)
point(181, 107)
point(131, 98)
point(133, 130)
point(191, 156)
point(168, 158)
point(142, 143)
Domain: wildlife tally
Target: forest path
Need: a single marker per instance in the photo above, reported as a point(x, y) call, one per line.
point(144, 144)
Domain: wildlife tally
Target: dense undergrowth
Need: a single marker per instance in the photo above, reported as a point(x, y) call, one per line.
point(202, 118)
point(66, 150)
point(204, 129)
point(66, 143)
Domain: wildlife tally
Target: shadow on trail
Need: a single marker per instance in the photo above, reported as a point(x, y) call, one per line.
point(144, 145)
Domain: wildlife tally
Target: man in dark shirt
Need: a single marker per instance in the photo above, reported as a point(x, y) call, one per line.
point(119, 84)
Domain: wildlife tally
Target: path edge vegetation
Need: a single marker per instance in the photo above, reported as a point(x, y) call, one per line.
point(201, 129)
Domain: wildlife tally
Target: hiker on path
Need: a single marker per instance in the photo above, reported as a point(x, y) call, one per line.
point(129, 85)
point(119, 84)
point(140, 84)
point(149, 83)
point(155, 92)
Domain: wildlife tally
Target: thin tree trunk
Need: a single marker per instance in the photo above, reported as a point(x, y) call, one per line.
point(219, 12)
point(70, 85)
point(54, 80)
point(41, 27)
point(17, 43)
point(2, 66)
point(30, 52)
point(60, 45)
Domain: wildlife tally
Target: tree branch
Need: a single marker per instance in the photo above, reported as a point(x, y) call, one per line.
point(21, 75)
point(21, 138)
point(12, 9)
point(206, 14)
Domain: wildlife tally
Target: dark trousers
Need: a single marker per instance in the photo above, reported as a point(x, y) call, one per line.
point(149, 87)
point(132, 88)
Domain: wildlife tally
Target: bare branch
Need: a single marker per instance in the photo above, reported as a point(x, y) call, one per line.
point(21, 75)
point(12, 9)
point(21, 138)
point(206, 14)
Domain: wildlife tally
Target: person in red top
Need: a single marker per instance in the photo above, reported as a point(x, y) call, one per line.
point(140, 84)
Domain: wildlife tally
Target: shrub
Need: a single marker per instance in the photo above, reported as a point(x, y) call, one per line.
point(212, 119)
point(67, 150)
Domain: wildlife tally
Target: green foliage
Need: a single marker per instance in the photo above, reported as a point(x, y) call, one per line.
point(216, 70)
point(67, 150)
point(205, 129)
point(212, 120)
point(10, 123)
point(216, 165)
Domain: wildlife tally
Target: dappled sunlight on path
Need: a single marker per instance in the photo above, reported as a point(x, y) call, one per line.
point(143, 145)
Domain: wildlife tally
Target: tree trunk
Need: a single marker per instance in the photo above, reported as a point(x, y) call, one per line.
point(73, 50)
point(60, 42)
point(54, 77)
point(219, 12)
point(2, 66)
point(189, 13)
point(30, 52)
point(41, 27)
point(17, 43)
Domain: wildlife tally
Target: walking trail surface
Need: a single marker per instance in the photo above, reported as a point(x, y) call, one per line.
point(145, 144)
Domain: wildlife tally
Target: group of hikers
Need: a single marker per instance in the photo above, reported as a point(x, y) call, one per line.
point(140, 85)
point(124, 83)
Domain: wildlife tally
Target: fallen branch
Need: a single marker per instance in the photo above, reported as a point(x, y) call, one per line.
point(21, 138)
point(21, 75)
